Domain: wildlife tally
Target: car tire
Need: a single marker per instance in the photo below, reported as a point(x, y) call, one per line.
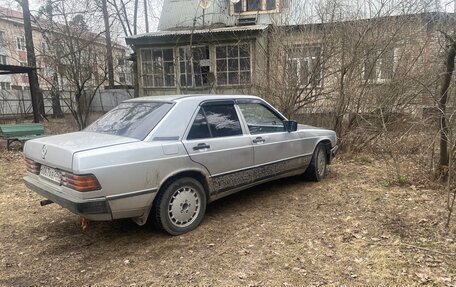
point(316, 170)
point(180, 206)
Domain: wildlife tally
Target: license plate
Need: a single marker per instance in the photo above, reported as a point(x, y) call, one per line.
point(50, 173)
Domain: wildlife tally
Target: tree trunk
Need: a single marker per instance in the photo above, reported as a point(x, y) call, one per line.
point(135, 76)
point(55, 95)
point(108, 44)
point(446, 81)
point(37, 96)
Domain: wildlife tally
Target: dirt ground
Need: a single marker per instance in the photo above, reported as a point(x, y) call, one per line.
point(355, 228)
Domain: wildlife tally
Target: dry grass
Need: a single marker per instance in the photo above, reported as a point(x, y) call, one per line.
point(352, 229)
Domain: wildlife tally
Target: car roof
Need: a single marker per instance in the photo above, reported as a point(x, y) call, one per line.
point(178, 98)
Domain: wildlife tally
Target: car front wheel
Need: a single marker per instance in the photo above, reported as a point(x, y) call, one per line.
point(180, 207)
point(316, 170)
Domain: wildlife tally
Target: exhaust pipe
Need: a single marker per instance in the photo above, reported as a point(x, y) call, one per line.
point(46, 202)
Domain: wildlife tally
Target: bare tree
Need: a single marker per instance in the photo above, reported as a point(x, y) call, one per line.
point(47, 12)
point(443, 98)
point(76, 57)
point(104, 8)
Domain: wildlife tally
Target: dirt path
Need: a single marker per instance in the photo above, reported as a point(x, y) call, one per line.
point(349, 230)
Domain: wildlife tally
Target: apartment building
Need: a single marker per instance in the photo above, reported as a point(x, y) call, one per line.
point(13, 52)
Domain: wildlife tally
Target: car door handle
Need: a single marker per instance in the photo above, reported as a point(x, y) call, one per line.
point(201, 146)
point(259, 140)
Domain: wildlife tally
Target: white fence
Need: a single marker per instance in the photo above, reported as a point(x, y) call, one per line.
point(14, 103)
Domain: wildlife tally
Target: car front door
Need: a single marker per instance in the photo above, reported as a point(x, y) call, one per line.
point(276, 151)
point(217, 141)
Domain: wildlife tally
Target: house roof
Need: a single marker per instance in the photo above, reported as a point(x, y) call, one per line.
point(163, 37)
point(200, 31)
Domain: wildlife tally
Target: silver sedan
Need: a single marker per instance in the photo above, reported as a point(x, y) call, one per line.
point(165, 158)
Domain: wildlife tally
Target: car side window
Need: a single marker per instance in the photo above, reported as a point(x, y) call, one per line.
point(200, 129)
point(260, 119)
point(215, 121)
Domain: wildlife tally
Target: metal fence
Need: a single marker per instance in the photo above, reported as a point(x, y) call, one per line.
point(16, 103)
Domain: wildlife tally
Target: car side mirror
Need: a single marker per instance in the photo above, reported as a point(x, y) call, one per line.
point(291, 126)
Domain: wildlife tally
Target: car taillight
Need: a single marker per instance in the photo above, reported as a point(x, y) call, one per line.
point(81, 183)
point(32, 166)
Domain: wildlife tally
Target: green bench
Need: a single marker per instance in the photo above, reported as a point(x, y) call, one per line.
point(20, 132)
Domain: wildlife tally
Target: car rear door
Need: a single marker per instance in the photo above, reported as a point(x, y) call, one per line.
point(217, 141)
point(276, 151)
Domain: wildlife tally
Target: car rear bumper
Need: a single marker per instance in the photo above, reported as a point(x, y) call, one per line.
point(94, 209)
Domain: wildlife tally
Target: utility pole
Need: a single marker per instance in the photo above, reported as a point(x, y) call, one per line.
point(146, 16)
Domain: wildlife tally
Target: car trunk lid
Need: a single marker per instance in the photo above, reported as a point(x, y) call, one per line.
point(57, 151)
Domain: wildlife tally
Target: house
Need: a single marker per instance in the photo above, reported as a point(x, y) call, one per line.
point(303, 64)
point(13, 52)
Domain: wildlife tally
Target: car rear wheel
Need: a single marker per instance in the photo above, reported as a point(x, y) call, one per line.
point(316, 170)
point(180, 207)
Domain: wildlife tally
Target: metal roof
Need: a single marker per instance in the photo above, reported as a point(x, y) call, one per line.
point(200, 31)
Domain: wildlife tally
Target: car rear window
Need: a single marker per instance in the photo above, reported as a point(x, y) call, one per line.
point(132, 119)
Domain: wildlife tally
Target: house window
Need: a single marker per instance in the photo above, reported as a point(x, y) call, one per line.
point(20, 43)
point(254, 5)
point(305, 67)
point(379, 66)
point(3, 60)
point(23, 64)
point(5, 86)
point(233, 64)
point(194, 66)
point(157, 67)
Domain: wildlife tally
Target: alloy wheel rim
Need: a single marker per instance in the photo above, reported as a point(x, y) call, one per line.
point(321, 162)
point(184, 206)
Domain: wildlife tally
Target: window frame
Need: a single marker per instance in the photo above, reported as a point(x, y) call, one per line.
point(187, 61)
point(262, 4)
point(377, 65)
point(3, 59)
point(20, 43)
point(310, 59)
point(5, 86)
point(163, 75)
point(239, 71)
